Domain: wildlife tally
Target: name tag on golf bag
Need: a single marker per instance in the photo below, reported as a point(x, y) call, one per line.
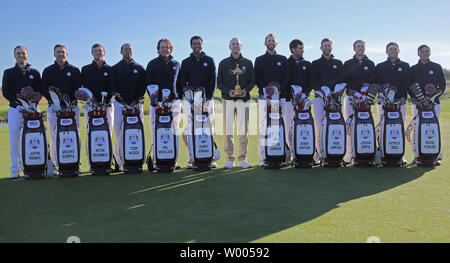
point(363, 138)
point(99, 143)
point(303, 138)
point(427, 137)
point(275, 141)
point(202, 140)
point(392, 138)
point(166, 142)
point(333, 139)
point(67, 144)
point(33, 145)
point(133, 141)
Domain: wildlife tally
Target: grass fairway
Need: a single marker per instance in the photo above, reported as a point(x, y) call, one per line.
point(408, 204)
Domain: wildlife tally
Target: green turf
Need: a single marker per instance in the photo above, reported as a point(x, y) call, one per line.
point(409, 204)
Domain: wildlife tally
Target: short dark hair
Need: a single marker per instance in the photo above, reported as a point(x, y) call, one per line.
point(96, 45)
point(123, 45)
point(20, 46)
point(294, 43)
point(196, 37)
point(392, 43)
point(358, 41)
point(59, 45)
point(422, 46)
point(325, 40)
point(164, 40)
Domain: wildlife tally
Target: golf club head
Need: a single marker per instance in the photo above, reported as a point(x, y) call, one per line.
point(339, 87)
point(296, 91)
point(55, 96)
point(188, 94)
point(152, 91)
point(166, 96)
point(326, 92)
point(319, 94)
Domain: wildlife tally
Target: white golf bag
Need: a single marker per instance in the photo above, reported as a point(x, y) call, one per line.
point(33, 148)
point(302, 130)
point(68, 145)
point(198, 135)
point(426, 142)
point(165, 139)
point(333, 138)
point(276, 151)
point(132, 140)
point(390, 130)
point(98, 142)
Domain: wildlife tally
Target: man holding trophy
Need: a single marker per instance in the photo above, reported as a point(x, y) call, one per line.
point(236, 78)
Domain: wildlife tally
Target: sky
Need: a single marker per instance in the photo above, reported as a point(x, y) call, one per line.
point(78, 24)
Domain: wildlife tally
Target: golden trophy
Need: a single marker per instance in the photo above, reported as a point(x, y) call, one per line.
point(237, 72)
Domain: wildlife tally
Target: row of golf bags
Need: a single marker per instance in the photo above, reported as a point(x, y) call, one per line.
point(333, 131)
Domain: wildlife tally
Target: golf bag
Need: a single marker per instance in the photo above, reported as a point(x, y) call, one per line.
point(276, 149)
point(199, 137)
point(426, 142)
point(67, 142)
point(302, 131)
point(390, 130)
point(132, 140)
point(165, 139)
point(333, 138)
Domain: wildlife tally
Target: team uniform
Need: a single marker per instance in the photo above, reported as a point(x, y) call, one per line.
point(272, 68)
point(226, 82)
point(128, 80)
point(197, 72)
point(324, 72)
point(356, 73)
point(164, 74)
point(14, 79)
point(96, 79)
point(398, 74)
point(68, 80)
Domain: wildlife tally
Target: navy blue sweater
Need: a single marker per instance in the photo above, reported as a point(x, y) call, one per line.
point(299, 74)
point(128, 79)
point(96, 79)
point(67, 79)
point(15, 78)
point(428, 73)
point(358, 72)
point(164, 74)
point(197, 72)
point(397, 74)
point(272, 68)
point(326, 73)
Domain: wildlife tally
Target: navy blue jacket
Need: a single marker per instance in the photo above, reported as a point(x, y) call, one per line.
point(326, 73)
point(397, 74)
point(128, 79)
point(299, 74)
point(358, 72)
point(15, 78)
point(96, 79)
point(428, 73)
point(164, 74)
point(67, 79)
point(272, 68)
point(197, 72)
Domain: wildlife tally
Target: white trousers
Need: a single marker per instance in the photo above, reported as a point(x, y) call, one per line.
point(51, 122)
point(117, 120)
point(319, 113)
point(15, 122)
point(287, 111)
point(242, 110)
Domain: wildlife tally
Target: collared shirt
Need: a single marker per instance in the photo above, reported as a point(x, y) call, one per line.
point(357, 72)
point(397, 73)
point(197, 72)
point(96, 79)
point(429, 73)
point(300, 74)
point(227, 81)
point(163, 73)
point(272, 68)
point(128, 79)
point(16, 78)
point(326, 72)
point(67, 79)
